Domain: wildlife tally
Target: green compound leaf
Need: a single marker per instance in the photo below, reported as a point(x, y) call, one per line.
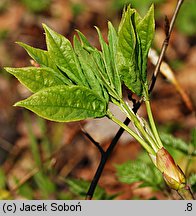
point(178, 144)
point(65, 103)
point(40, 56)
point(139, 171)
point(62, 53)
point(85, 43)
point(100, 64)
point(88, 67)
point(145, 30)
point(105, 61)
point(113, 40)
point(126, 32)
point(106, 58)
point(135, 39)
point(126, 59)
point(36, 79)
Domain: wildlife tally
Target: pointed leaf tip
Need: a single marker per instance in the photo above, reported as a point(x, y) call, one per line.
point(17, 104)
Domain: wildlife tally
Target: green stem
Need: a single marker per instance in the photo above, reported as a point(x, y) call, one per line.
point(152, 124)
point(138, 125)
point(132, 133)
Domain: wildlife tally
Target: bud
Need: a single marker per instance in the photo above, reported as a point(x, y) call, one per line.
point(173, 175)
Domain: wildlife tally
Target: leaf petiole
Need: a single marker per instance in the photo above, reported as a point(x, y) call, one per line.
point(140, 127)
point(152, 124)
point(132, 133)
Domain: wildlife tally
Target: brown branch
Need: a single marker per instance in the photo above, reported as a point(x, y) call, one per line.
point(165, 45)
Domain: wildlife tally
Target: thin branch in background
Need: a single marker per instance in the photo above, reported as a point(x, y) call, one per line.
point(108, 152)
point(166, 26)
point(165, 44)
point(92, 140)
